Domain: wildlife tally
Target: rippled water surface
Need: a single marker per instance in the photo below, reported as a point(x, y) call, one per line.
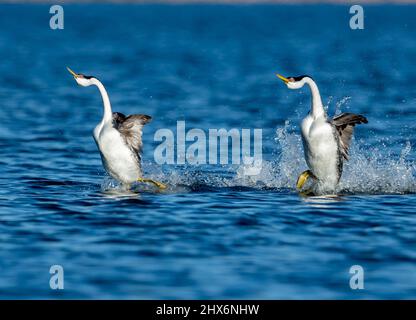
point(215, 233)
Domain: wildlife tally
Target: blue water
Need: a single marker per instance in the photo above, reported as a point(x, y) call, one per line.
point(214, 233)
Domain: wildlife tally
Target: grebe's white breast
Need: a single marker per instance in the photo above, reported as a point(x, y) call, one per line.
point(321, 150)
point(118, 159)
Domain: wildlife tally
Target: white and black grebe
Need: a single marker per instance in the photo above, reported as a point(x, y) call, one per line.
point(118, 138)
point(325, 141)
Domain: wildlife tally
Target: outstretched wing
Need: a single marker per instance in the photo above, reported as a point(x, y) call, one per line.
point(130, 128)
point(344, 124)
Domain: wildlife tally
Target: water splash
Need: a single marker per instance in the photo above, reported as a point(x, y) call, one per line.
point(371, 170)
point(375, 171)
point(338, 105)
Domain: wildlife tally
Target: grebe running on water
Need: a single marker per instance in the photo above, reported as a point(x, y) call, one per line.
point(325, 141)
point(118, 138)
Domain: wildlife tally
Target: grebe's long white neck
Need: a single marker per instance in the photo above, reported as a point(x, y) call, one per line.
point(108, 113)
point(317, 106)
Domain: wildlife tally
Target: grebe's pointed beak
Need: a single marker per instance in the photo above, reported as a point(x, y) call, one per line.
point(285, 80)
point(72, 72)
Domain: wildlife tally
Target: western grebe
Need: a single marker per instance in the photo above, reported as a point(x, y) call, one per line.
point(325, 141)
point(118, 138)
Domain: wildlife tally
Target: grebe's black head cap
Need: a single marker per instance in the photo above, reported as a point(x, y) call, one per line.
point(292, 80)
point(80, 75)
point(299, 78)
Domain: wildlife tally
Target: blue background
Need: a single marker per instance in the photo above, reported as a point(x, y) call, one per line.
point(214, 233)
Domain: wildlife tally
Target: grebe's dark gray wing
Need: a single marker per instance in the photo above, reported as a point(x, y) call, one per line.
point(130, 128)
point(118, 118)
point(344, 124)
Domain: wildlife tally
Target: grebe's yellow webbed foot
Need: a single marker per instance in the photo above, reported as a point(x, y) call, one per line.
point(156, 183)
point(303, 178)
